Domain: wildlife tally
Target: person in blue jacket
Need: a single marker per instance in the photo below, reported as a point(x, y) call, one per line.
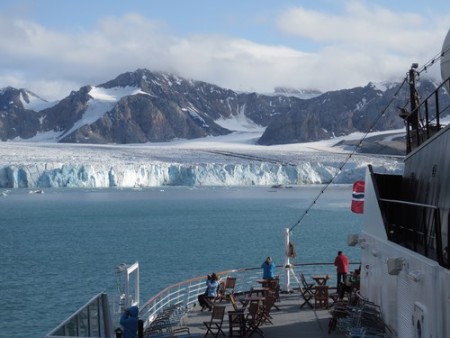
point(268, 268)
point(212, 285)
point(129, 321)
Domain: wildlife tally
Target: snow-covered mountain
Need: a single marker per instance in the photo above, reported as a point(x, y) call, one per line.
point(144, 106)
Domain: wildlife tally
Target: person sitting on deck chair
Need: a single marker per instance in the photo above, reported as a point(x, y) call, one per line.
point(351, 283)
point(212, 284)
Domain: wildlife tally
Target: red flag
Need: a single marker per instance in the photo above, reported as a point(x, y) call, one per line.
point(358, 197)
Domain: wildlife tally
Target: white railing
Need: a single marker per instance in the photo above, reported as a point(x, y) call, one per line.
point(94, 319)
point(185, 293)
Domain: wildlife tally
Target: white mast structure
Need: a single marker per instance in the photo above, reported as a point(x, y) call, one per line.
point(288, 270)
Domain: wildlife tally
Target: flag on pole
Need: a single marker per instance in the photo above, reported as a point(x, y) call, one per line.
point(358, 197)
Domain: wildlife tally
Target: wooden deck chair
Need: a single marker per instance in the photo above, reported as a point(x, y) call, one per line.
point(253, 320)
point(237, 317)
point(274, 287)
point(307, 292)
point(305, 284)
point(234, 304)
point(268, 304)
point(214, 325)
point(226, 288)
point(230, 284)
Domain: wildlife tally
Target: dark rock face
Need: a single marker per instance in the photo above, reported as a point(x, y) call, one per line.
point(165, 107)
point(63, 116)
point(334, 114)
point(15, 120)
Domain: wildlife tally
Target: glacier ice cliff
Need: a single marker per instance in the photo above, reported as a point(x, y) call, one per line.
point(55, 166)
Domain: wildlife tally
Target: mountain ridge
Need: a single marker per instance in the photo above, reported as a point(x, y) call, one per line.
point(145, 106)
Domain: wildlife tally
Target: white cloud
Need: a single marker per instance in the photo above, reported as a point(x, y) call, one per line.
point(362, 43)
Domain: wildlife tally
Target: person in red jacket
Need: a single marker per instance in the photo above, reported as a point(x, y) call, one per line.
point(341, 262)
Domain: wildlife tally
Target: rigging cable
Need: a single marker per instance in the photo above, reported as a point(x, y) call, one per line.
point(380, 115)
point(430, 63)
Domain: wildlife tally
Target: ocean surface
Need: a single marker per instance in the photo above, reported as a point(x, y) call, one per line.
point(61, 248)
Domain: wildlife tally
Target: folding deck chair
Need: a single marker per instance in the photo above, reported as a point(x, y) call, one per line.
point(254, 320)
point(307, 291)
point(214, 326)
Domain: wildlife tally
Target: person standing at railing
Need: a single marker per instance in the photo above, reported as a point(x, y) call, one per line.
point(129, 321)
point(212, 285)
point(268, 268)
point(341, 262)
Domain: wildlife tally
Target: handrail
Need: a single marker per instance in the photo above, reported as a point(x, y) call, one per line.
point(94, 318)
point(185, 293)
point(409, 203)
point(423, 237)
point(417, 135)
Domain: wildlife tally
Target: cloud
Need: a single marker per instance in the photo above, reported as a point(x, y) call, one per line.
point(362, 43)
point(366, 42)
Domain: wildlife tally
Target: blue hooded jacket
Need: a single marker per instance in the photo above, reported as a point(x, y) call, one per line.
point(268, 270)
point(129, 321)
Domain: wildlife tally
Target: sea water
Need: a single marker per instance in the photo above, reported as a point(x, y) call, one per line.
point(61, 248)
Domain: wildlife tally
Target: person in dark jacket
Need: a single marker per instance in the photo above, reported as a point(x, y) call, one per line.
point(129, 321)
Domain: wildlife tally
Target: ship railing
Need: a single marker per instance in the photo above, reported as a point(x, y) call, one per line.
point(185, 294)
point(92, 320)
point(427, 118)
point(422, 230)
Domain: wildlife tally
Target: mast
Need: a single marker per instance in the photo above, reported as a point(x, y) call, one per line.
point(413, 118)
point(287, 263)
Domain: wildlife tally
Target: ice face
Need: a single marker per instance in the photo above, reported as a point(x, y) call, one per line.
point(211, 162)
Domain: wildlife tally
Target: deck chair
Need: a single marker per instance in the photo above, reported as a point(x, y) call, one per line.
point(214, 325)
point(253, 320)
point(226, 288)
point(274, 287)
point(307, 291)
point(230, 284)
point(268, 304)
point(305, 283)
point(237, 317)
point(234, 304)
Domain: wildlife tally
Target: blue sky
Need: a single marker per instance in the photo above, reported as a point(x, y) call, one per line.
point(52, 46)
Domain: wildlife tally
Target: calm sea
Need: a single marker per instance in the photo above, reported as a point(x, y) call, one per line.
point(61, 248)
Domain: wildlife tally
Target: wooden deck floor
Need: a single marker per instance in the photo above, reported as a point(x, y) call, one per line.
point(289, 321)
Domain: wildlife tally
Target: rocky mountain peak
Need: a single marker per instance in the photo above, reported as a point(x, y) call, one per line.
point(145, 106)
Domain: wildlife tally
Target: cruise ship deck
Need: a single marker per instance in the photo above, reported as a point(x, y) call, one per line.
point(177, 307)
point(289, 321)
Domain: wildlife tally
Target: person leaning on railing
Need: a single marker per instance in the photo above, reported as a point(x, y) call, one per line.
point(268, 268)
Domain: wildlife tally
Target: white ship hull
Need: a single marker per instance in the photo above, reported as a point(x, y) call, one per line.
point(412, 290)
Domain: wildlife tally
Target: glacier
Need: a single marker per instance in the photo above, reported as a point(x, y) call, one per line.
point(209, 162)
